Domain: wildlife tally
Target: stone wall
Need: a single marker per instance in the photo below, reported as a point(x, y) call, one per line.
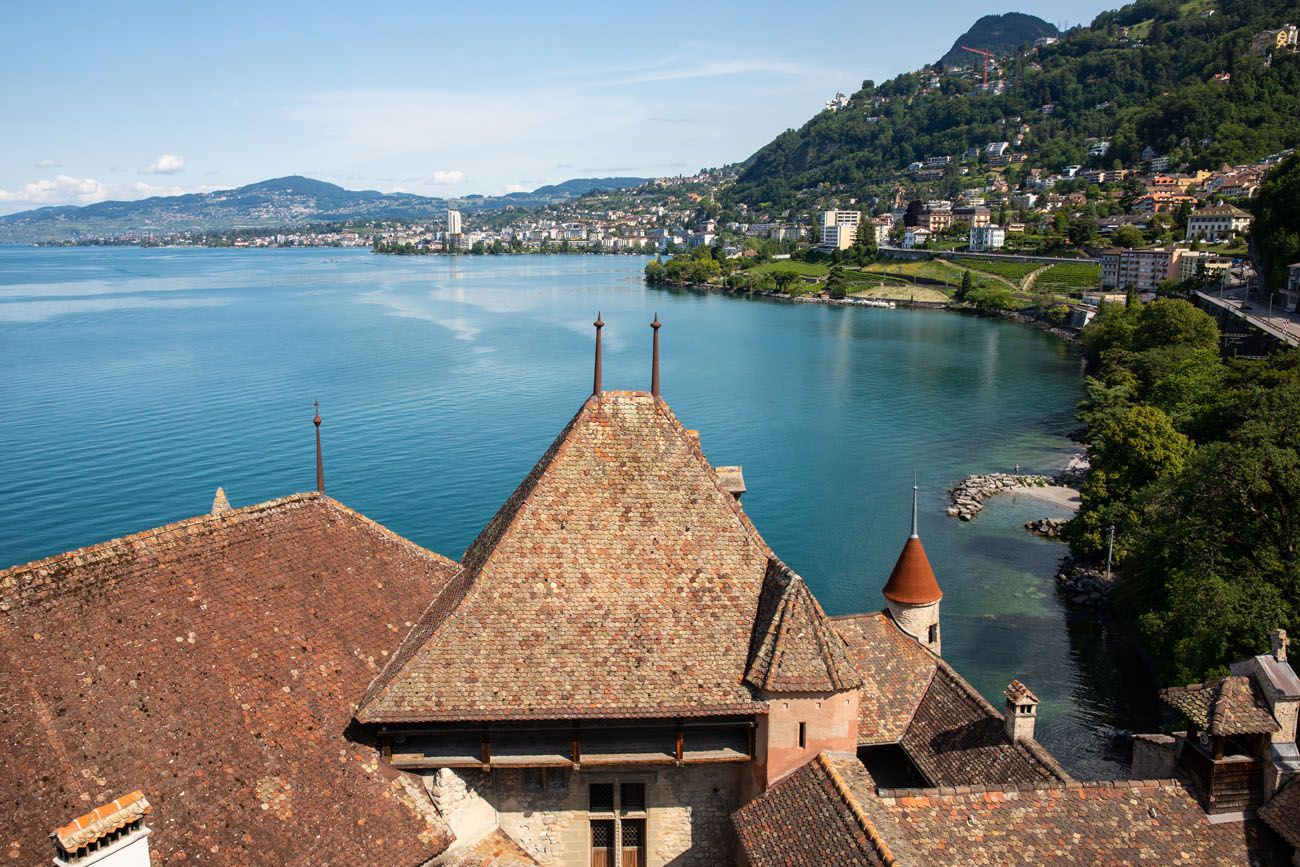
point(687, 812)
point(1153, 757)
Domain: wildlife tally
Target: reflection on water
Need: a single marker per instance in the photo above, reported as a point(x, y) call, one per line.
point(142, 379)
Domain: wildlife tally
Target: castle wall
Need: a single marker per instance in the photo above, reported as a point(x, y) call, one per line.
point(830, 722)
point(687, 811)
point(916, 620)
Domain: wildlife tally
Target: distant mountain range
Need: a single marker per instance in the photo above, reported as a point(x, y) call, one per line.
point(1000, 34)
point(277, 203)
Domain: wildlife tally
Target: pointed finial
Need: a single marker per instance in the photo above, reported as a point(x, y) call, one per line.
point(595, 385)
point(320, 463)
point(220, 503)
point(654, 364)
point(915, 534)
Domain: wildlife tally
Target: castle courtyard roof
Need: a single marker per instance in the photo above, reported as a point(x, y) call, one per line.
point(620, 579)
point(214, 664)
point(832, 807)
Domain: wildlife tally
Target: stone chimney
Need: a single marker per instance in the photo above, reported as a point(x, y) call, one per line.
point(111, 835)
point(1020, 712)
point(1280, 642)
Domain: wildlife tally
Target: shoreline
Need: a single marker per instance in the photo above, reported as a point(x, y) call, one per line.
point(1072, 338)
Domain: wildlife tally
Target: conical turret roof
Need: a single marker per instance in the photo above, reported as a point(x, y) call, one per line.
point(912, 582)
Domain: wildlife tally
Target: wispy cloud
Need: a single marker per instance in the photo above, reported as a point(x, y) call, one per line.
point(49, 164)
point(445, 177)
point(518, 188)
point(167, 164)
point(672, 71)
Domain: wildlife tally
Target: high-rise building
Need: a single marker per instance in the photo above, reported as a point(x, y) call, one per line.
point(454, 225)
point(840, 229)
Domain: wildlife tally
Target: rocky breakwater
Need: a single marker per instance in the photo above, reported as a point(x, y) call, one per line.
point(1048, 528)
point(1082, 584)
point(968, 497)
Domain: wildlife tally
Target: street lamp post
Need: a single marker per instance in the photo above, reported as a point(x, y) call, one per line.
point(1110, 550)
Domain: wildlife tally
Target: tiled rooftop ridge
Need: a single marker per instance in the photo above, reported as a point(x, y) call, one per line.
point(993, 791)
point(102, 821)
point(864, 822)
point(61, 574)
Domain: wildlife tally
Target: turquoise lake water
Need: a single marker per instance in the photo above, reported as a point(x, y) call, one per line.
point(137, 381)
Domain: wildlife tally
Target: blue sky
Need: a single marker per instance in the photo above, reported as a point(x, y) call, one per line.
point(125, 99)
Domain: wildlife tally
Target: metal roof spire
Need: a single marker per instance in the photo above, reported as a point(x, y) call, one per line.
point(915, 534)
point(595, 386)
point(320, 463)
point(654, 366)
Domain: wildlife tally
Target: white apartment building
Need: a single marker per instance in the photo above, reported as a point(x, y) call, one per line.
point(454, 224)
point(917, 236)
point(1217, 223)
point(984, 238)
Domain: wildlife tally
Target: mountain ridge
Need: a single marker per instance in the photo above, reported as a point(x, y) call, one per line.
point(285, 202)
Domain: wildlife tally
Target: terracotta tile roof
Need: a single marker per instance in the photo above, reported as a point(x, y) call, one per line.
point(796, 649)
point(620, 579)
point(1227, 706)
point(1282, 813)
point(1125, 822)
point(957, 738)
point(809, 819)
point(896, 672)
point(497, 849)
point(912, 582)
point(215, 663)
point(102, 821)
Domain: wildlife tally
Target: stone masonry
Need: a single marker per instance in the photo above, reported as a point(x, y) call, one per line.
point(687, 811)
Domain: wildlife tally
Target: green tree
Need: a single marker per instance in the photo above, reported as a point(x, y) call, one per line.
point(836, 284)
point(1128, 236)
point(1275, 233)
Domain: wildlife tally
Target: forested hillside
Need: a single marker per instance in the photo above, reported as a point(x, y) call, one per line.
point(1144, 75)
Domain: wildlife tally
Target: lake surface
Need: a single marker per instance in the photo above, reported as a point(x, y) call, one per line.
point(136, 381)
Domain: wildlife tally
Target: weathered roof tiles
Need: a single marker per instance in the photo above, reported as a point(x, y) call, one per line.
point(620, 579)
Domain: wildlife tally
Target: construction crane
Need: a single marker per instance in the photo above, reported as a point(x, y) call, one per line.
point(987, 55)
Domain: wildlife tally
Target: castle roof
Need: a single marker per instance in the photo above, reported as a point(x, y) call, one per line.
point(215, 663)
point(1282, 813)
point(831, 811)
point(912, 582)
point(913, 698)
point(797, 649)
point(1226, 706)
point(620, 579)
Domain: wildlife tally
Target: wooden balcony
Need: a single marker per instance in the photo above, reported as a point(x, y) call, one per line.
point(585, 744)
